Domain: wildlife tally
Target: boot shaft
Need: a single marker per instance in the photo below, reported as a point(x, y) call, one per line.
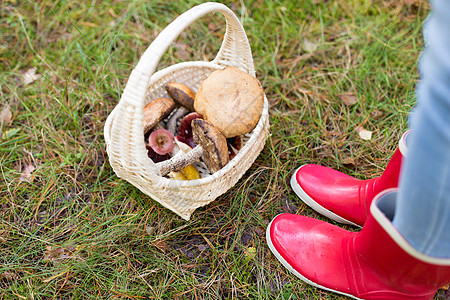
point(341, 197)
point(391, 175)
point(392, 259)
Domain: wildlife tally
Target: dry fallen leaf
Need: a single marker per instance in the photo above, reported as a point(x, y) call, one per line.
point(250, 252)
point(202, 247)
point(161, 245)
point(212, 26)
point(364, 133)
point(181, 51)
point(30, 76)
point(26, 174)
point(6, 115)
point(348, 99)
point(349, 162)
point(58, 254)
point(150, 229)
point(9, 276)
point(309, 46)
point(376, 114)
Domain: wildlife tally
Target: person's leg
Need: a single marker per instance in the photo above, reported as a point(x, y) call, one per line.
point(403, 250)
point(423, 209)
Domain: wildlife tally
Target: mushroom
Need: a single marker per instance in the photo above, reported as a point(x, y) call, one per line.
point(155, 157)
point(185, 128)
point(211, 146)
point(231, 100)
point(182, 95)
point(189, 172)
point(161, 141)
point(156, 111)
point(172, 122)
point(234, 145)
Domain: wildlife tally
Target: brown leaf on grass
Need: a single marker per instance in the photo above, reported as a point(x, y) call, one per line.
point(202, 247)
point(26, 174)
point(349, 162)
point(9, 276)
point(364, 133)
point(6, 115)
point(150, 229)
point(161, 245)
point(29, 76)
point(212, 26)
point(58, 254)
point(89, 24)
point(376, 114)
point(181, 51)
point(348, 99)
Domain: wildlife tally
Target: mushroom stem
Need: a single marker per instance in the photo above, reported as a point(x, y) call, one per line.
point(158, 126)
point(172, 123)
point(211, 147)
point(179, 162)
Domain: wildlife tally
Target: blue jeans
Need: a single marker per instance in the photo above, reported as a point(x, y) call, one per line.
point(423, 201)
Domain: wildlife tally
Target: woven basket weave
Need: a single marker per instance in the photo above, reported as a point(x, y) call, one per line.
point(124, 127)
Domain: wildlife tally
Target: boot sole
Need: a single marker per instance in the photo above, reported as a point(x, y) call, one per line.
point(313, 204)
point(295, 272)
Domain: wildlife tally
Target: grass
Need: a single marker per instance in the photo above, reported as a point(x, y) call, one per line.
point(74, 230)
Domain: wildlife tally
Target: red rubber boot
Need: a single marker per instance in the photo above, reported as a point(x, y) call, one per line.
point(375, 263)
point(341, 197)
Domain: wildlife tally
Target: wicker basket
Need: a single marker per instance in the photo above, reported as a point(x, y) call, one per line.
point(124, 126)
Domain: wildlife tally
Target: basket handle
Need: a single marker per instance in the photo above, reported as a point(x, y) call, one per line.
point(234, 51)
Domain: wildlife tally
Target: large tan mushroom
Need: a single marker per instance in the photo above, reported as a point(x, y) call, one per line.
point(231, 100)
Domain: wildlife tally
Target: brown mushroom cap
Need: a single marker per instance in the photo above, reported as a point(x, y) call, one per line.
point(155, 111)
point(181, 94)
point(231, 100)
point(213, 143)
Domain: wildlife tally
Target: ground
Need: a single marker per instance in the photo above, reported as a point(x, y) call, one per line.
point(339, 76)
